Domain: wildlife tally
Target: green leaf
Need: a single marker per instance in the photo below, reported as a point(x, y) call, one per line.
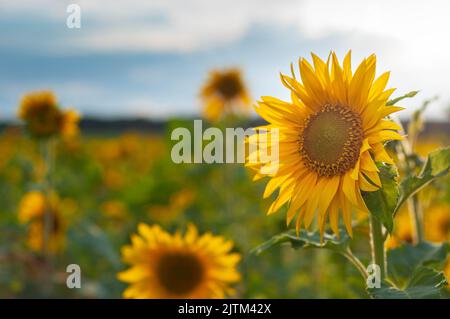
point(436, 165)
point(410, 272)
point(305, 240)
point(425, 283)
point(397, 99)
point(92, 238)
point(404, 260)
point(382, 202)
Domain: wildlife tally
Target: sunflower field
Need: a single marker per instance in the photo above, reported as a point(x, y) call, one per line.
point(357, 204)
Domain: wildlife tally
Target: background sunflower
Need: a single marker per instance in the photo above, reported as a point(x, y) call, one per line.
point(178, 266)
point(224, 93)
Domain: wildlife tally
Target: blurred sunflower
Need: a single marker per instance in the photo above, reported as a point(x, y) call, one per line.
point(436, 222)
point(224, 93)
point(403, 230)
point(40, 112)
point(43, 118)
point(177, 266)
point(32, 205)
point(33, 208)
point(330, 135)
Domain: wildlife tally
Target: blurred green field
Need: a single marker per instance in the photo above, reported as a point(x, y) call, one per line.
point(106, 184)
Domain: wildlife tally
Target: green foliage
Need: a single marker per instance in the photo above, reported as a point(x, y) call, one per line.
point(94, 238)
point(436, 165)
point(136, 172)
point(411, 274)
point(382, 202)
point(305, 239)
point(407, 95)
point(404, 260)
point(425, 283)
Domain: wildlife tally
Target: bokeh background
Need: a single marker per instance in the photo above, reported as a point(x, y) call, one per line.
point(134, 71)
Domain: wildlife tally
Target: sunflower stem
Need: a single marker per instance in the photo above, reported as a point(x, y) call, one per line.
point(377, 245)
point(47, 154)
point(405, 151)
point(356, 262)
point(415, 209)
point(414, 206)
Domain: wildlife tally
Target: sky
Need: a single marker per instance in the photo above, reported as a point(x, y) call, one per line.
point(149, 57)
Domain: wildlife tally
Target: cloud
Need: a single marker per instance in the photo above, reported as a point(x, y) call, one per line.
point(158, 25)
point(162, 48)
point(190, 25)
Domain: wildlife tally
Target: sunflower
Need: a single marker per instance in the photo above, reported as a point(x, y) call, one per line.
point(40, 112)
point(43, 118)
point(331, 134)
point(33, 209)
point(177, 266)
point(436, 222)
point(224, 93)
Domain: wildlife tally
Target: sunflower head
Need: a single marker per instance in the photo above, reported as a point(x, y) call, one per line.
point(331, 134)
point(34, 208)
point(178, 266)
point(224, 93)
point(43, 118)
point(40, 112)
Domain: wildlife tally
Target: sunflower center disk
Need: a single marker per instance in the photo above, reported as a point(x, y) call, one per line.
point(229, 86)
point(331, 140)
point(180, 273)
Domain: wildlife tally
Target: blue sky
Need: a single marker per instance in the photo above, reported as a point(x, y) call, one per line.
point(149, 58)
